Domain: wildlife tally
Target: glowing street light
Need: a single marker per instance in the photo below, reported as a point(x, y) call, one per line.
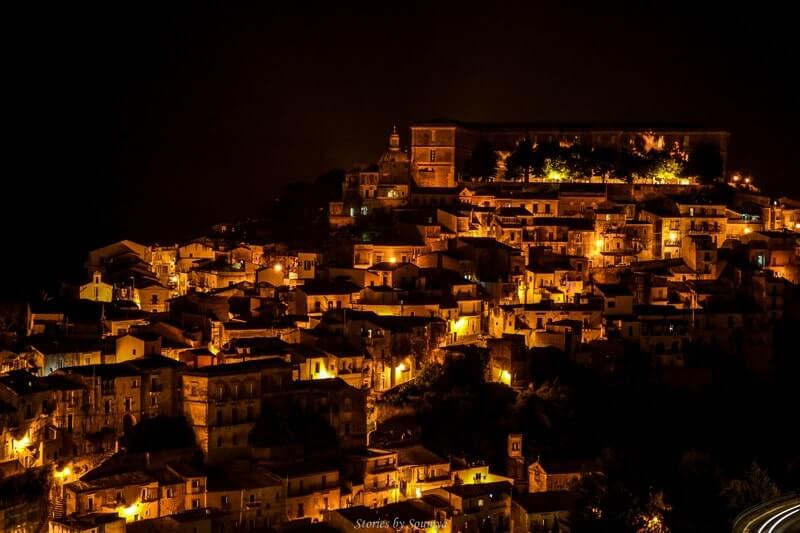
point(277, 267)
point(18, 445)
point(129, 512)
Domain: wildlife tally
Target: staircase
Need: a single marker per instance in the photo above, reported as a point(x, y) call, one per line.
point(58, 507)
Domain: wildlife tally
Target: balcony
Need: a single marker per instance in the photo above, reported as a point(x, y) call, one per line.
point(382, 469)
point(381, 488)
point(302, 491)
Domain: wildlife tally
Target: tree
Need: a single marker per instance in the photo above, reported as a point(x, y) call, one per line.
point(482, 164)
point(661, 166)
point(544, 152)
point(603, 162)
point(521, 161)
point(705, 163)
point(329, 185)
point(755, 487)
point(628, 164)
point(599, 505)
point(652, 517)
point(578, 161)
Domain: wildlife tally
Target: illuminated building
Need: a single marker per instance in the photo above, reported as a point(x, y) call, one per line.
point(419, 470)
point(312, 489)
point(375, 477)
point(555, 475)
point(223, 402)
point(476, 503)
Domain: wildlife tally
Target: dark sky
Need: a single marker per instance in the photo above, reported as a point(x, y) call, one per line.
point(147, 122)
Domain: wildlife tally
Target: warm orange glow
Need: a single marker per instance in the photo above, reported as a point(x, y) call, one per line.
point(323, 374)
point(505, 377)
point(129, 512)
point(277, 267)
point(18, 445)
point(393, 260)
point(62, 474)
point(460, 325)
point(747, 230)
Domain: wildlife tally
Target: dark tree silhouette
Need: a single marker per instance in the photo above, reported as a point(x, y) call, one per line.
point(755, 487)
point(482, 164)
point(544, 152)
point(604, 162)
point(705, 162)
point(522, 160)
point(578, 161)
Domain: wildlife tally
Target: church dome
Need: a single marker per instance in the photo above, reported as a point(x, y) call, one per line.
point(394, 154)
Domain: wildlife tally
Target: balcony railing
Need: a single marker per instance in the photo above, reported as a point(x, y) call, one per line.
point(381, 488)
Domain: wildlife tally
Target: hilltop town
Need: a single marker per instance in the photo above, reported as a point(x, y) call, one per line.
point(485, 330)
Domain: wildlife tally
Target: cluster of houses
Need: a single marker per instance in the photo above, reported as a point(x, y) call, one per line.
point(224, 384)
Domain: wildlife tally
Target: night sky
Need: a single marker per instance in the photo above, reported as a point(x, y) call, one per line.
point(152, 123)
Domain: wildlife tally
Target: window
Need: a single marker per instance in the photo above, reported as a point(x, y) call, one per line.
point(316, 368)
point(170, 492)
point(235, 439)
point(226, 500)
point(154, 299)
point(134, 351)
point(317, 306)
point(195, 503)
point(612, 304)
point(219, 417)
point(300, 512)
point(547, 208)
point(433, 156)
point(234, 416)
point(219, 442)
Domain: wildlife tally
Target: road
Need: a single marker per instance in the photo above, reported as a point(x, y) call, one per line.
point(781, 515)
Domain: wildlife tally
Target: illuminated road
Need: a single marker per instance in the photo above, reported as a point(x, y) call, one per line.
point(781, 515)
